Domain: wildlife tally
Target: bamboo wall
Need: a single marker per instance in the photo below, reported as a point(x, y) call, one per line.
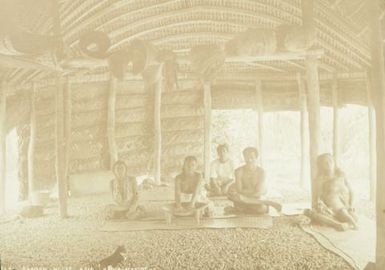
point(182, 119)
point(88, 127)
point(44, 155)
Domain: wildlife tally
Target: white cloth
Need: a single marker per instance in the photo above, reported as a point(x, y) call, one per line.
point(222, 169)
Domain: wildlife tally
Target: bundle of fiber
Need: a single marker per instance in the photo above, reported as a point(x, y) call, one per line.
point(252, 42)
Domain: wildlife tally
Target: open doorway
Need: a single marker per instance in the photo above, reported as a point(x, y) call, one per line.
point(281, 150)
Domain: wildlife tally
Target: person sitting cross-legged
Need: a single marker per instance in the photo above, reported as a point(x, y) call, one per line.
point(221, 172)
point(189, 192)
point(250, 186)
point(334, 197)
point(124, 194)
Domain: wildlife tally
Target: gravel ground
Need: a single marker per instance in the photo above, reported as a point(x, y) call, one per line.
point(76, 242)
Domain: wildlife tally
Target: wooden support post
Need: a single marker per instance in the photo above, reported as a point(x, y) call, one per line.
point(259, 109)
point(31, 146)
point(313, 95)
point(111, 122)
point(313, 101)
point(372, 141)
point(207, 126)
point(67, 127)
point(303, 126)
point(3, 167)
point(378, 94)
point(60, 149)
point(335, 119)
point(158, 129)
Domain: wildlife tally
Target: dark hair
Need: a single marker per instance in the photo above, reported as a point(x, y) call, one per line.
point(119, 163)
point(222, 147)
point(189, 159)
point(249, 150)
point(321, 158)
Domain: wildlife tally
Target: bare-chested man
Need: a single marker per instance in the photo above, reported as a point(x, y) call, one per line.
point(250, 186)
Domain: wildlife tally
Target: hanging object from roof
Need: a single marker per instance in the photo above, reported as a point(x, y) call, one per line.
point(95, 44)
point(207, 61)
point(118, 63)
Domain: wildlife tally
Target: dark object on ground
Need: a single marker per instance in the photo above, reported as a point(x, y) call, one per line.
point(32, 211)
point(113, 260)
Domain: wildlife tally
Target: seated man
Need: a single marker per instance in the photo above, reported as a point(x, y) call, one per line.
point(221, 172)
point(250, 186)
point(188, 187)
point(334, 197)
point(124, 193)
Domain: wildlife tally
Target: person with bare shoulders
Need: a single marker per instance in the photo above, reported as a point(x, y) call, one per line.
point(124, 193)
point(334, 196)
point(189, 192)
point(250, 186)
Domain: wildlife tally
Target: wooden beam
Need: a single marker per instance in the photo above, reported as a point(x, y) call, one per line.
point(313, 97)
point(67, 127)
point(207, 130)
point(111, 110)
point(378, 94)
point(60, 150)
point(313, 101)
point(19, 62)
point(259, 110)
point(303, 126)
point(158, 128)
point(3, 167)
point(336, 133)
point(32, 145)
point(372, 142)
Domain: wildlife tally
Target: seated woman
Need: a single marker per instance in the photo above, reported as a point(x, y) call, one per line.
point(334, 196)
point(188, 187)
point(250, 186)
point(221, 172)
point(124, 193)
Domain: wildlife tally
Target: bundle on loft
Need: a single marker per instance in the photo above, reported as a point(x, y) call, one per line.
point(252, 42)
point(207, 61)
point(257, 42)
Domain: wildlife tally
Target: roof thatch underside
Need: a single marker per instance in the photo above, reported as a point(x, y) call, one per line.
point(342, 30)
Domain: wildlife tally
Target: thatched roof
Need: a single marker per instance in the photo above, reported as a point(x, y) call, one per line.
point(342, 28)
